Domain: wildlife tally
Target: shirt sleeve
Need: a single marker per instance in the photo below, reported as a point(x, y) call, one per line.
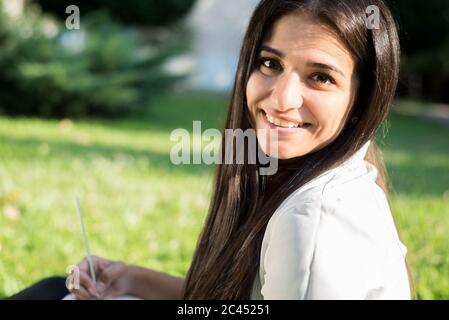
point(289, 251)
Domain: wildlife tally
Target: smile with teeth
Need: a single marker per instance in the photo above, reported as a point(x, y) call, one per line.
point(285, 124)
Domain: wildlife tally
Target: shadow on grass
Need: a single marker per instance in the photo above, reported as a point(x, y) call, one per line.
point(419, 180)
point(424, 147)
point(167, 113)
point(27, 150)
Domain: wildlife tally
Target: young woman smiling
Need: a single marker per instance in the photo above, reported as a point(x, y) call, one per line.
point(321, 227)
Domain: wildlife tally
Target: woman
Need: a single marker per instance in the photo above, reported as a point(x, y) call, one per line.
point(314, 72)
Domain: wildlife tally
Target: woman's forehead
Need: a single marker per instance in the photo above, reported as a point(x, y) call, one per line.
point(297, 35)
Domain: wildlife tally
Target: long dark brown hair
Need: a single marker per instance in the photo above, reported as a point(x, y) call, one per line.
point(227, 256)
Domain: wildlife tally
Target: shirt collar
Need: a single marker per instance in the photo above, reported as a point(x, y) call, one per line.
point(357, 157)
point(361, 153)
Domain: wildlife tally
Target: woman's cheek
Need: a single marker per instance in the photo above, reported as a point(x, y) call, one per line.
point(328, 105)
point(258, 86)
point(330, 119)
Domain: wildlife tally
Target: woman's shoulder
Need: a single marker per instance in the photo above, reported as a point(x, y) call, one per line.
point(348, 198)
point(353, 185)
point(338, 229)
point(346, 213)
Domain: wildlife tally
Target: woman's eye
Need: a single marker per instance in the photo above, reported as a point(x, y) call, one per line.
point(269, 64)
point(323, 78)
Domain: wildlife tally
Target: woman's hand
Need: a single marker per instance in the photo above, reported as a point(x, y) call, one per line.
point(112, 279)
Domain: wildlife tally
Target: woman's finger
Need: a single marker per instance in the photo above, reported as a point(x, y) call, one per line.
point(87, 283)
point(77, 289)
point(99, 264)
point(113, 272)
point(82, 294)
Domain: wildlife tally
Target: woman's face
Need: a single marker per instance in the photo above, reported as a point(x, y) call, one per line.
point(303, 87)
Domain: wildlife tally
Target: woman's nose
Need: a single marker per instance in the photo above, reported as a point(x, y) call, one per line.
point(289, 92)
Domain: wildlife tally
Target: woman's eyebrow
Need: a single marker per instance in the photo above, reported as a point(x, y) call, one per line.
point(319, 65)
point(272, 50)
point(325, 66)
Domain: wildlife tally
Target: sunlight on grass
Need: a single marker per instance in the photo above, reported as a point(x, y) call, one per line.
point(142, 209)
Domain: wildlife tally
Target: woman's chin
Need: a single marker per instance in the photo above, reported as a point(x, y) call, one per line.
point(286, 155)
point(279, 152)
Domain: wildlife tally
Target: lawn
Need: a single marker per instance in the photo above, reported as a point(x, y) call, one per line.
point(142, 209)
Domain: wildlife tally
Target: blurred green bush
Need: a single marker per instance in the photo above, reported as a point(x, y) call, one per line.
point(130, 12)
point(102, 69)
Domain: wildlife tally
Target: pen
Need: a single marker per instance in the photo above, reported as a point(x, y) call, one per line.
point(86, 243)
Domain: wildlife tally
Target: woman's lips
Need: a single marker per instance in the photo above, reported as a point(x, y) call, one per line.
point(283, 131)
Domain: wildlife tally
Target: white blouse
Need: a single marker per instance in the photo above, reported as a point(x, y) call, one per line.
point(334, 238)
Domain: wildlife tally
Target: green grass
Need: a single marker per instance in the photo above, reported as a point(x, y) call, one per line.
point(417, 157)
point(142, 209)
